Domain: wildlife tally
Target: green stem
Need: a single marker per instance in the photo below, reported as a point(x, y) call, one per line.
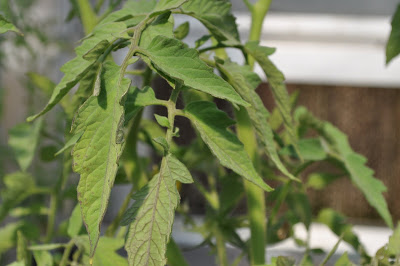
point(221, 248)
point(88, 16)
point(255, 195)
point(258, 12)
point(67, 252)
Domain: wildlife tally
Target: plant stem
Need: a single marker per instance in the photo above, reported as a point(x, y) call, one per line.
point(221, 248)
point(258, 12)
point(255, 195)
point(67, 252)
point(88, 16)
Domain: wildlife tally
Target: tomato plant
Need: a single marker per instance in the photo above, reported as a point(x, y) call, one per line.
point(242, 151)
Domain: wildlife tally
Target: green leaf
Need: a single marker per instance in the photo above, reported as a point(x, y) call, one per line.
point(42, 82)
point(97, 152)
point(176, 170)
point(276, 80)
point(89, 85)
point(148, 235)
point(282, 261)
point(300, 205)
point(162, 121)
point(245, 82)
point(43, 258)
point(71, 142)
point(163, 25)
point(18, 186)
point(172, 58)
point(165, 5)
point(393, 44)
point(337, 223)
point(75, 222)
point(131, 9)
point(212, 123)
point(106, 251)
point(182, 31)
point(23, 139)
point(338, 147)
point(136, 99)
point(6, 25)
point(310, 149)
point(394, 242)
point(47, 153)
point(163, 143)
point(216, 17)
point(23, 255)
point(77, 68)
point(344, 261)
point(320, 181)
point(8, 236)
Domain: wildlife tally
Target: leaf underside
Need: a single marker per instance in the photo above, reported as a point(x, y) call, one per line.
point(97, 151)
point(245, 82)
point(152, 215)
point(212, 123)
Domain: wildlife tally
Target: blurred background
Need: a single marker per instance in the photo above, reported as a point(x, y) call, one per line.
point(332, 52)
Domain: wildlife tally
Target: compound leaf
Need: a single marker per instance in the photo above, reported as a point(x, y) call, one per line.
point(77, 68)
point(245, 82)
point(174, 59)
point(216, 17)
point(212, 123)
point(393, 44)
point(97, 151)
point(153, 215)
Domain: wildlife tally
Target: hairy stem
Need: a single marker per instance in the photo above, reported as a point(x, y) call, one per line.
point(258, 12)
point(255, 195)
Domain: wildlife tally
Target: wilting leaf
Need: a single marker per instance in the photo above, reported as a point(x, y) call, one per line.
point(216, 17)
point(174, 59)
point(276, 81)
point(152, 215)
point(77, 68)
point(212, 123)
point(245, 82)
point(337, 145)
point(97, 152)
